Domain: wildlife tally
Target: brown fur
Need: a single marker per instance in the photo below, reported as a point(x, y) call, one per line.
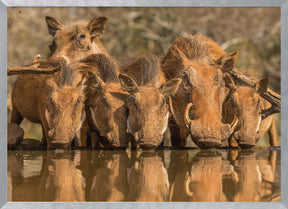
point(58, 107)
point(106, 101)
point(145, 71)
point(246, 103)
point(31, 92)
point(147, 103)
point(200, 62)
point(76, 40)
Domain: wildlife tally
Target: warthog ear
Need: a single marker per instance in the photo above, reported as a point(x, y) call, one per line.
point(97, 26)
point(227, 63)
point(262, 85)
point(128, 84)
point(53, 25)
point(171, 87)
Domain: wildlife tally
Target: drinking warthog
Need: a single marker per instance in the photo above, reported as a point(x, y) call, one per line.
point(106, 108)
point(32, 92)
point(197, 104)
point(246, 104)
point(148, 110)
point(58, 107)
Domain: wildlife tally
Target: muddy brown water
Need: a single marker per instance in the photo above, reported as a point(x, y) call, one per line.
point(161, 175)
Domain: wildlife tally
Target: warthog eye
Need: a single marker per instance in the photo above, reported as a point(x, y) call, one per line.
point(163, 102)
point(51, 101)
point(186, 83)
point(82, 36)
point(104, 100)
point(78, 101)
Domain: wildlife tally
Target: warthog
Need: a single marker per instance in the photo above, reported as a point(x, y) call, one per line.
point(77, 40)
point(106, 108)
point(57, 106)
point(246, 104)
point(31, 92)
point(148, 110)
point(201, 64)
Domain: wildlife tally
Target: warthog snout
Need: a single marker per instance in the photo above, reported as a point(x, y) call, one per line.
point(60, 139)
point(113, 138)
point(245, 141)
point(208, 136)
point(146, 141)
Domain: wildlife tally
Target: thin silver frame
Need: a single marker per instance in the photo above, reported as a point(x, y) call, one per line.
point(283, 4)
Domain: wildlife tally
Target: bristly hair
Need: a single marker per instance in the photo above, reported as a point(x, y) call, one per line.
point(144, 70)
point(105, 67)
point(195, 47)
point(68, 73)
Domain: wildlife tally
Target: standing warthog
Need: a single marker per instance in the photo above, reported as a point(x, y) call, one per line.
point(246, 104)
point(201, 64)
point(58, 107)
point(31, 92)
point(148, 110)
point(106, 108)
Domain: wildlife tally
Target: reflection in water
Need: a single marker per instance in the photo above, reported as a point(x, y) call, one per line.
point(148, 179)
point(162, 175)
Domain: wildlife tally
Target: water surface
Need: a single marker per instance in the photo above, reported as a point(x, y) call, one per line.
point(161, 175)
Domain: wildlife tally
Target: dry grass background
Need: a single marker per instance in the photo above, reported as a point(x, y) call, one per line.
point(132, 32)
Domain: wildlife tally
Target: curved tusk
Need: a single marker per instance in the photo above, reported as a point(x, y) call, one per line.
point(187, 185)
point(186, 115)
point(234, 124)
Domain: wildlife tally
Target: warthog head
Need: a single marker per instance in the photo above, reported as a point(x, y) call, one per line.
point(109, 112)
point(148, 110)
point(203, 88)
point(245, 103)
point(78, 40)
point(105, 100)
point(64, 112)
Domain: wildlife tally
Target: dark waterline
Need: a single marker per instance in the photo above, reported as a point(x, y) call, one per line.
point(161, 175)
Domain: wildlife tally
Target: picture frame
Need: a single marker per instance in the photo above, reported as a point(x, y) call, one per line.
point(283, 4)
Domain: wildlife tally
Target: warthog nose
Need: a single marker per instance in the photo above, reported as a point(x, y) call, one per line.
point(113, 138)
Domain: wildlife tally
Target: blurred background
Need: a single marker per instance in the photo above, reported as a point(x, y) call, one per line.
point(131, 32)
